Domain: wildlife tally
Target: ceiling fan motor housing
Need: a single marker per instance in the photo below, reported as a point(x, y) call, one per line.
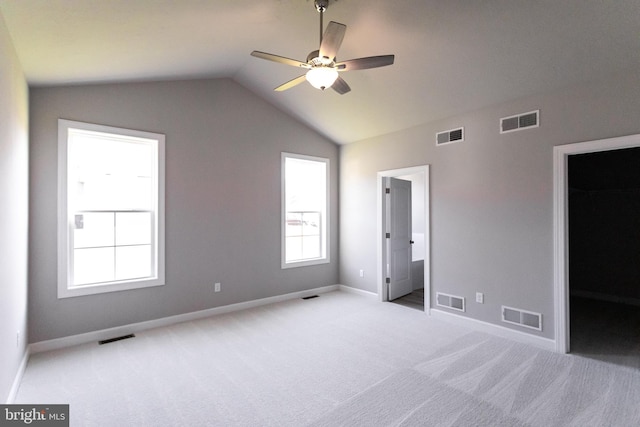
point(314, 59)
point(321, 5)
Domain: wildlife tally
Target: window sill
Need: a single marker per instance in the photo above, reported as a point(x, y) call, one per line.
point(305, 263)
point(77, 291)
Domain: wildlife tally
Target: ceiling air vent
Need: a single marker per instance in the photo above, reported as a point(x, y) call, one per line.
point(450, 301)
point(447, 137)
point(528, 319)
point(520, 122)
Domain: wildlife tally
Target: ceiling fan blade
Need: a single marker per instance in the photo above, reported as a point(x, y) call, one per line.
point(291, 83)
point(340, 86)
point(279, 59)
point(332, 39)
point(364, 63)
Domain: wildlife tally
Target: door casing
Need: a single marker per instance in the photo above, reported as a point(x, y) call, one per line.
point(380, 233)
point(561, 155)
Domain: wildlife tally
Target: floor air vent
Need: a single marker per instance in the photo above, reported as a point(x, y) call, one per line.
point(310, 297)
point(450, 301)
point(520, 122)
point(527, 319)
point(449, 136)
point(124, 337)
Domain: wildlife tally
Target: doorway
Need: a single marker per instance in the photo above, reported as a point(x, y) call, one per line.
point(419, 178)
point(567, 181)
point(604, 255)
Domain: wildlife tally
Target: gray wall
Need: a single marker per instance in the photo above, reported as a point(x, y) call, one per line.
point(223, 148)
point(14, 181)
point(491, 195)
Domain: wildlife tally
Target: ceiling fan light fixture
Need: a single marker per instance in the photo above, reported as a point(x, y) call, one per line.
point(322, 77)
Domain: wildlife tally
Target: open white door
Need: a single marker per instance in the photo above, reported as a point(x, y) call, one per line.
point(399, 238)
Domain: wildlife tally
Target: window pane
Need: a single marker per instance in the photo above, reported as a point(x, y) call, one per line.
point(293, 248)
point(107, 174)
point(310, 247)
point(305, 185)
point(93, 230)
point(138, 193)
point(294, 224)
point(311, 224)
point(133, 228)
point(93, 265)
point(133, 262)
point(134, 159)
point(108, 192)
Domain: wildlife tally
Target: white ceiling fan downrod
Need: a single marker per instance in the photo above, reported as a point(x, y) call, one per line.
point(321, 7)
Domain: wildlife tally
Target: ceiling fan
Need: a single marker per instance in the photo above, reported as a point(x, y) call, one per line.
point(322, 68)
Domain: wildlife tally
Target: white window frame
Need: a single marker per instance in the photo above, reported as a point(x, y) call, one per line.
point(65, 243)
point(325, 257)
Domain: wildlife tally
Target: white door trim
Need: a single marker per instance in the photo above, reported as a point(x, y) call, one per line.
point(561, 154)
point(381, 268)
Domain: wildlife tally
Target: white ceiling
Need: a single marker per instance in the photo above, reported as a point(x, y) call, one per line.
point(452, 56)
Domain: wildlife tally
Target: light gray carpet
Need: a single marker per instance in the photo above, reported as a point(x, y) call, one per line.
point(339, 359)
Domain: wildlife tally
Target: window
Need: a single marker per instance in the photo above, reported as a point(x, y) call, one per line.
point(305, 198)
point(111, 209)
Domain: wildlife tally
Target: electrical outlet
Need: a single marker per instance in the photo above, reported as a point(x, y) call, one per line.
point(216, 287)
point(479, 297)
point(361, 273)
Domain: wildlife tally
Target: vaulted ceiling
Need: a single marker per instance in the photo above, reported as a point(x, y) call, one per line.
point(451, 56)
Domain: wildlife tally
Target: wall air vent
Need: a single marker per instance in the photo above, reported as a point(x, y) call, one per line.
point(520, 122)
point(449, 136)
point(450, 301)
point(527, 319)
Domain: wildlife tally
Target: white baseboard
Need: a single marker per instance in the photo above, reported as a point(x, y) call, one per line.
point(490, 328)
point(357, 291)
point(18, 379)
point(59, 343)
